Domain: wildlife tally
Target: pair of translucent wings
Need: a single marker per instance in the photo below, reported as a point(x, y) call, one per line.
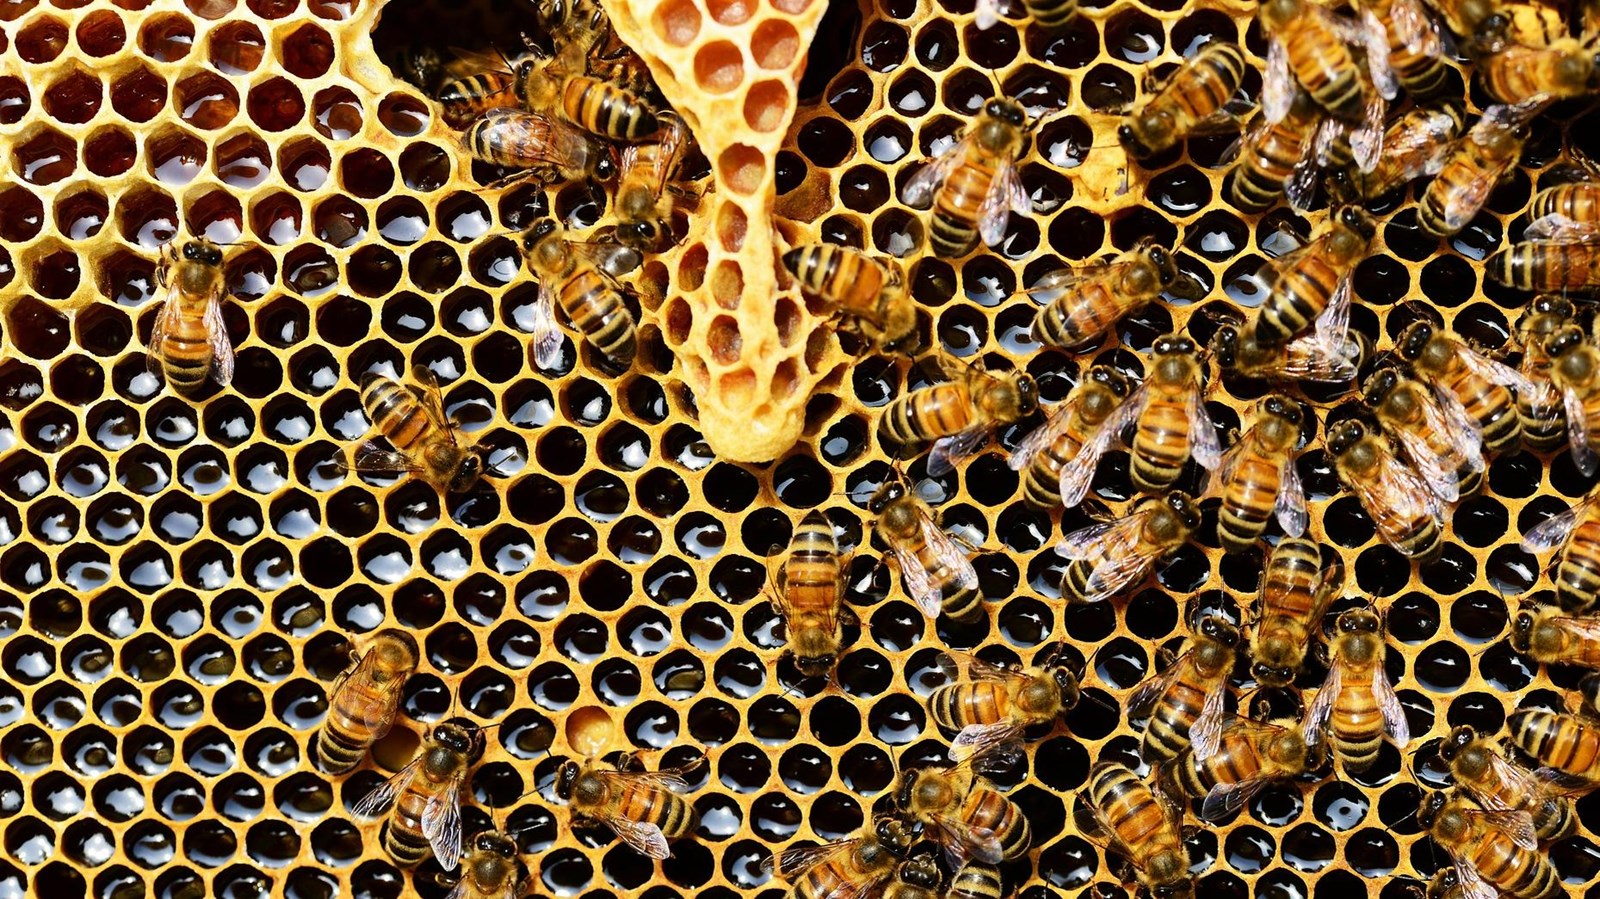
point(961, 839)
point(1226, 798)
point(1497, 123)
point(981, 739)
point(791, 864)
point(1450, 422)
point(1397, 488)
point(1077, 472)
point(1518, 826)
point(216, 332)
point(441, 814)
point(1556, 530)
point(610, 260)
point(375, 707)
point(1205, 734)
point(645, 837)
point(1289, 506)
point(374, 458)
point(1320, 713)
point(1006, 193)
point(1116, 548)
point(925, 592)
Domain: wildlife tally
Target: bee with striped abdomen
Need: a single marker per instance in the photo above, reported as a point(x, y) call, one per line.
point(1279, 158)
point(1169, 416)
point(963, 812)
point(1411, 39)
point(551, 86)
point(1357, 707)
point(1467, 17)
point(1058, 459)
point(1296, 591)
point(1438, 440)
point(1577, 200)
point(1251, 755)
point(1493, 851)
point(1499, 784)
point(545, 149)
point(488, 868)
point(580, 277)
point(1311, 47)
point(1329, 354)
point(427, 800)
point(1478, 386)
point(1544, 421)
point(1553, 637)
point(426, 440)
point(937, 573)
point(1567, 745)
point(363, 702)
point(871, 295)
point(847, 868)
point(1185, 703)
point(1577, 572)
point(1188, 102)
point(1556, 255)
point(1416, 144)
point(1307, 281)
point(1258, 481)
point(1511, 71)
point(976, 880)
point(1476, 163)
point(643, 808)
point(809, 595)
point(1140, 823)
point(1575, 372)
point(1106, 558)
point(646, 193)
point(189, 342)
point(1082, 306)
point(1407, 513)
point(464, 99)
point(974, 184)
point(918, 877)
point(986, 704)
point(960, 414)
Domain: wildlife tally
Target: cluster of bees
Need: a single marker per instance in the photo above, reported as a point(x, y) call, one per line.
point(1431, 411)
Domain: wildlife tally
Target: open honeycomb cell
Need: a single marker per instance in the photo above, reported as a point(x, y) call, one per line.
point(181, 581)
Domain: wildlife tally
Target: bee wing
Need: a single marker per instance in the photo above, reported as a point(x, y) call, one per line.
point(441, 824)
point(374, 705)
point(981, 671)
point(987, 14)
point(432, 399)
point(376, 801)
point(1320, 711)
point(646, 838)
point(1465, 201)
point(546, 336)
point(1578, 433)
point(975, 739)
point(1278, 84)
point(462, 890)
point(1123, 560)
point(1473, 886)
point(1056, 283)
point(1556, 228)
point(1290, 506)
point(1006, 195)
point(1394, 715)
point(1374, 36)
point(1554, 531)
point(1332, 324)
point(1462, 429)
point(949, 553)
point(791, 863)
point(1516, 778)
point(612, 259)
point(1495, 371)
point(1516, 825)
point(1415, 28)
point(1440, 481)
point(158, 332)
point(1425, 146)
point(1561, 782)
point(1225, 799)
point(1366, 142)
point(951, 450)
point(1206, 734)
point(1203, 444)
point(370, 457)
point(1301, 188)
point(1150, 691)
point(1078, 473)
point(1086, 541)
point(920, 189)
point(221, 346)
point(1315, 358)
point(1041, 437)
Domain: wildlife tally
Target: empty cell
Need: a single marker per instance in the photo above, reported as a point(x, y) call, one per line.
point(81, 215)
point(45, 158)
point(73, 98)
point(41, 39)
point(236, 48)
point(174, 156)
point(101, 33)
point(403, 115)
point(305, 163)
point(14, 100)
point(168, 37)
point(276, 104)
point(206, 100)
point(366, 173)
point(21, 215)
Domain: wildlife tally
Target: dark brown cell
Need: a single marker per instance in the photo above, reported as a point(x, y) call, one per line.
point(236, 48)
point(166, 38)
point(276, 104)
point(101, 33)
point(42, 39)
point(206, 100)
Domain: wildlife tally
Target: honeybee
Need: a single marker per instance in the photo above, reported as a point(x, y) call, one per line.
point(189, 341)
point(362, 704)
point(1169, 415)
point(1357, 706)
point(426, 441)
point(1498, 784)
point(809, 595)
point(1406, 512)
point(1514, 72)
point(1445, 884)
point(1575, 371)
point(1257, 479)
point(938, 576)
point(1556, 254)
point(959, 415)
point(582, 278)
point(1295, 593)
point(1577, 532)
point(645, 192)
point(870, 294)
point(1185, 703)
point(1307, 281)
point(546, 149)
point(917, 877)
point(464, 99)
point(1080, 307)
point(1251, 755)
point(848, 868)
point(1493, 851)
point(419, 64)
point(596, 105)
point(1106, 558)
point(965, 813)
point(1311, 46)
point(976, 880)
point(427, 800)
point(1567, 745)
point(1478, 386)
point(1187, 102)
point(1544, 421)
point(1443, 447)
point(1278, 158)
point(1328, 354)
point(1476, 163)
point(1576, 200)
point(488, 869)
point(1417, 144)
point(1142, 824)
point(1551, 637)
point(991, 704)
point(1058, 459)
point(643, 808)
point(1411, 39)
point(974, 183)
point(1467, 17)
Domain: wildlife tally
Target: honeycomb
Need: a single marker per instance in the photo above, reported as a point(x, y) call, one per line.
point(182, 581)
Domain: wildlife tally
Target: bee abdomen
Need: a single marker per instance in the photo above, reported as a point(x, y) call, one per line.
point(976, 880)
point(1578, 577)
point(1327, 71)
point(597, 310)
point(338, 750)
point(1302, 292)
point(962, 603)
point(1050, 14)
point(1167, 734)
point(395, 412)
point(1421, 75)
point(408, 848)
point(953, 229)
point(607, 110)
point(1257, 185)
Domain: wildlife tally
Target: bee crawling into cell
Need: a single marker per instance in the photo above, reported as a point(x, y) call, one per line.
point(646, 809)
point(1477, 162)
point(1249, 755)
point(488, 868)
point(1296, 590)
point(1566, 744)
point(974, 185)
point(1408, 514)
point(648, 191)
point(870, 295)
point(1313, 49)
point(1185, 704)
point(1142, 823)
point(426, 442)
point(1576, 533)
point(189, 341)
point(1575, 372)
